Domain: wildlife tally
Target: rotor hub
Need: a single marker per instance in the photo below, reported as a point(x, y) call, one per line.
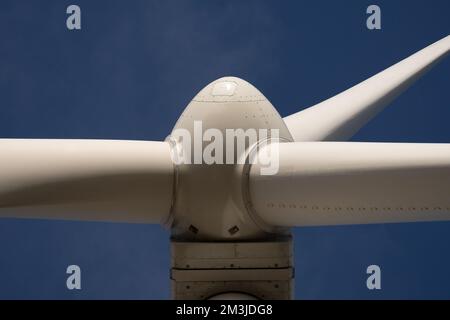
point(212, 145)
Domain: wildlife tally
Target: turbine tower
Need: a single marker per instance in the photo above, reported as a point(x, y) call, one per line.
point(230, 223)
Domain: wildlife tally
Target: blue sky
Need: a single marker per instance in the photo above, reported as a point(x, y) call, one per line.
point(135, 65)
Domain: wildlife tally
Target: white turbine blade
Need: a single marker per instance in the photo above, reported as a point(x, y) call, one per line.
point(337, 183)
point(340, 117)
point(93, 180)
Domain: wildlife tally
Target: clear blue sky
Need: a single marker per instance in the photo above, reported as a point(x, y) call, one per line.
point(135, 65)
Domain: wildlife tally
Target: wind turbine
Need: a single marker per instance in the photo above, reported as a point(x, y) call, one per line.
point(230, 224)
